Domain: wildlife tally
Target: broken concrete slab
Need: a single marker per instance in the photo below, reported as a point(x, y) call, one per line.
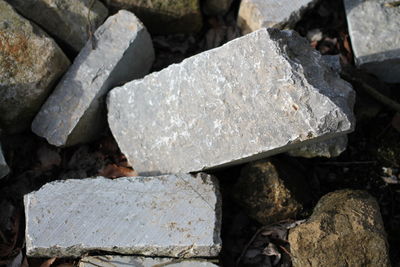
point(66, 20)
point(30, 64)
point(374, 33)
point(75, 111)
point(257, 14)
point(4, 170)
point(173, 215)
point(134, 261)
point(262, 94)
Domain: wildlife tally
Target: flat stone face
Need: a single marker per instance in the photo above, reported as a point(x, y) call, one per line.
point(75, 112)
point(259, 95)
point(374, 32)
point(132, 261)
point(4, 170)
point(66, 19)
point(257, 14)
point(30, 64)
point(174, 215)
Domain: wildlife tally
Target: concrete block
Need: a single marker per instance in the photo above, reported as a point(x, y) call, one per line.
point(257, 14)
point(374, 33)
point(75, 112)
point(262, 94)
point(4, 170)
point(174, 216)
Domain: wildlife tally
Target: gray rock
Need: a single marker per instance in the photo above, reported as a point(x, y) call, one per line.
point(345, 229)
point(216, 7)
point(374, 33)
point(262, 94)
point(4, 170)
point(176, 216)
point(257, 14)
point(75, 112)
point(67, 20)
point(134, 261)
point(30, 64)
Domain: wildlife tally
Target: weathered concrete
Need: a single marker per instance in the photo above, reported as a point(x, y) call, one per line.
point(374, 32)
point(258, 95)
point(176, 215)
point(216, 7)
point(74, 113)
point(30, 64)
point(257, 14)
point(164, 16)
point(345, 229)
point(132, 261)
point(67, 20)
point(4, 170)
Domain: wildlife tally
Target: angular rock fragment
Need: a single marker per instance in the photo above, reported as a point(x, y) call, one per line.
point(262, 94)
point(374, 33)
point(74, 113)
point(345, 229)
point(217, 7)
point(67, 20)
point(257, 14)
point(4, 170)
point(175, 215)
point(134, 261)
point(30, 64)
point(164, 16)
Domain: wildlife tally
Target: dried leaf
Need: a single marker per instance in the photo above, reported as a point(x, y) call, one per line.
point(115, 171)
point(272, 250)
point(48, 262)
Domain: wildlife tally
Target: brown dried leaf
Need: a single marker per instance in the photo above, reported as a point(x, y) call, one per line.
point(115, 171)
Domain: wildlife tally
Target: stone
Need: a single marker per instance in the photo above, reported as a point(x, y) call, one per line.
point(259, 95)
point(67, 19)
point(75, 111)
point(172, 215)
point(257, 14)
point(134, 261)
point(271, 190)
point(345, 229)
point(216, 7)
point(4, 170)
point(30, 64)
point(375, 39)
point(164, 16)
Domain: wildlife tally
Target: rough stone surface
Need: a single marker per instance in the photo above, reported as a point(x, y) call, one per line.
point(216, 7)
point(75, 112)
point(4, 170)
point(257, 14)
point(66, 19)
point(176, 215)
point(345, 229)
point(30, 64)
point(271, 190)
point(132, 261)
point(164, 16)
point(374, 32)
point(258, 95)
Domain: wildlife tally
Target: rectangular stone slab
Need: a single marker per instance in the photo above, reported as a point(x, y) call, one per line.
point(259, 95)
point(375, 36)
point(122, 50)
point(173, 215)
point(4, 170)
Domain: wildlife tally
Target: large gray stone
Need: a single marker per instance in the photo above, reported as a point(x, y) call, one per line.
point(257, 14)
point(75, 112)
point(258, 95)
point(176, 215)
point(374, 32)
point(4, 170)
point(134, 261)
point(66, 19)
point(30, 64)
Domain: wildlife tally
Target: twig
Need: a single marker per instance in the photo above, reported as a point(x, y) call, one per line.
point(285, 250)
point(92, 38)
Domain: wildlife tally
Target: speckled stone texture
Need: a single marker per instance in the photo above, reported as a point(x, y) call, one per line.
point(258, 95)
point(30, 63)
point(256, 14)
point(4, 170)
point(65, 19)
point(132, 261)
point(75, 112)
point(175, 215)
point(374, 32)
